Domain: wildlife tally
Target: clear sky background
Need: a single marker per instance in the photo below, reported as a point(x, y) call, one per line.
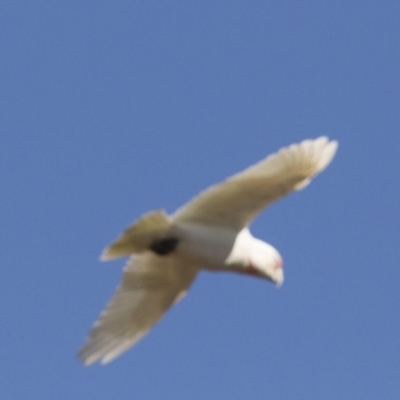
point(111, 109)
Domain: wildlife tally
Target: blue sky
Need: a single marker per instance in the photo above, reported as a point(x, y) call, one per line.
point(111, 109)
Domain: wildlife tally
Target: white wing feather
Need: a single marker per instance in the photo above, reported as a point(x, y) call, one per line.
point(150, 285)
point(235, 202)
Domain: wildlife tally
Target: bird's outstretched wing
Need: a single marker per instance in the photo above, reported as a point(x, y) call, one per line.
point(235, 202)
point(150, 285)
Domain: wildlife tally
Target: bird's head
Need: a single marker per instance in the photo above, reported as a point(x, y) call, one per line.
point(265, 262)
point(254, 257)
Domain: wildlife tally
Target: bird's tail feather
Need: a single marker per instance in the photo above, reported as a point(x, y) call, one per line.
point(139, 235)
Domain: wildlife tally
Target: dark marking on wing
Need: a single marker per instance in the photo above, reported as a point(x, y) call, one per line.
point(164, 247)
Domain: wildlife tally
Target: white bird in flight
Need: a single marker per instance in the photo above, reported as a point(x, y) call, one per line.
point(209, 232)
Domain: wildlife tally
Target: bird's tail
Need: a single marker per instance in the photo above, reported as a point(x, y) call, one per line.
point(138, 237)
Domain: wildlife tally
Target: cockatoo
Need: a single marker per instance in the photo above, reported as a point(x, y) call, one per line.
point(210, 232)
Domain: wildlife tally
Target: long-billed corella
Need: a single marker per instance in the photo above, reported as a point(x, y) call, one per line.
point(210, 232)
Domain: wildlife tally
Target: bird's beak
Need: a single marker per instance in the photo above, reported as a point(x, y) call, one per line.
point(278, 277)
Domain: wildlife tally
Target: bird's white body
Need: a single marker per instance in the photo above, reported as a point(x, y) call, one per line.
point(209, 232)
point(226, 249)
point(204, 245)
